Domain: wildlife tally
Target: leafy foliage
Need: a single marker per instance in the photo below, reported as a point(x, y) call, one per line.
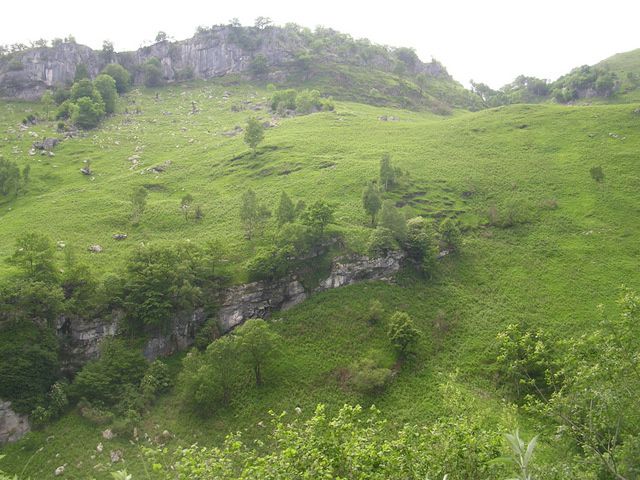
point(253, 133)
point(28, 364)
point(402, 333)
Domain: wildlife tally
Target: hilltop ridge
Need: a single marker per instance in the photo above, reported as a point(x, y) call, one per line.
point(290, 55)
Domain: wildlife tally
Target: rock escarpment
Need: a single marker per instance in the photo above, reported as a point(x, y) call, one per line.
point(271, 52)
point(237, 304)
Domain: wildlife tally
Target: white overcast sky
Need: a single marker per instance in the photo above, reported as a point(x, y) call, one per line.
point(491, 41)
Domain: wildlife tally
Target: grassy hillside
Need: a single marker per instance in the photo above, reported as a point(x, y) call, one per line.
point(577, 241)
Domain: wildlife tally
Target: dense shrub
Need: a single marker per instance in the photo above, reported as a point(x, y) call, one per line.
point(420, 245)
point(270, 263)
point(368, 378)
point(87, 113)
point(381, 242)
point(106, 379)
point(28, 364)
point(9, 178)
point(106, 86)
point(161, 281)
point(152, 70)
point(121, 76)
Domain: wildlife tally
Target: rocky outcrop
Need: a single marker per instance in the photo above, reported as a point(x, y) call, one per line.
point(13, 426)
point(237, 303)
point(181, 336)
point(213, 52)
point(349, 270)
point(260, 299)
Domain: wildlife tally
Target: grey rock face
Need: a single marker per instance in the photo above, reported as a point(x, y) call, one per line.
point(13, 426)
point(349, 270)
point(237, 304)
point(181, 336)
point(219, 51)
point(260, 299)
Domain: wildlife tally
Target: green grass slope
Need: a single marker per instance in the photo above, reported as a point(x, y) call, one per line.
point(578, 241)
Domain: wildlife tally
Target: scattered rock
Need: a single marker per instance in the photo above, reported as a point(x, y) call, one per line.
point(32, 152)
point(107, 434)
point(59, 471)
point(166, 434)
point(99, 448)
point(388, 118)
point(120, 236)
point(86, 170)
point(46, 144)
point(13, 426)
point(443, 253)
point(60, 244)
point(159, 168)
point(116, 456)
point(232, 133)
point(95, 248)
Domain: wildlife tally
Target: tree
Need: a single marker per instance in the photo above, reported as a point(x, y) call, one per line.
point(391, 218)
point(47, 101)
point(257, 344)
point(381, 242)
point(420, 245)
point(387, 172)
point(252, 213)
point(253, 134)
point(185, 205)
point(138, 203)
point(317, 217)
point(371, 201)
point(120, 75)
point(222, 355)
point(152, 72)
point(161, 37)
point(286, 211)
point(9, 178)
point(402, 333)
point(107, 378)
point(87, 113)
point(262, 22)
point(81, 71)
point(107, 50)
point(450, 234)
point(83, 88)
point(106, 86)
point(34, 254)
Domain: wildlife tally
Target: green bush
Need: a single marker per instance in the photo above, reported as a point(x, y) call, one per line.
point(29, 364)
point(9, 178)
point(121, 76)
point(107, 379)
point(381, 242)
point(368, 378)
point(106, 86)
point(87, 113)
point(152, 70)
point(270, 263)
point(284, 99)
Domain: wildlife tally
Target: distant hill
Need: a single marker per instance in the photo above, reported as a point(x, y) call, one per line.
point(626, 66)
point(615, 79)
point(348, 68)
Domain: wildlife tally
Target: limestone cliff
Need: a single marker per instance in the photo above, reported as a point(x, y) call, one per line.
point(278, 54)
point(237, 304)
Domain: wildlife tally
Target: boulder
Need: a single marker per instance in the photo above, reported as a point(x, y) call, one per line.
point(13, 426)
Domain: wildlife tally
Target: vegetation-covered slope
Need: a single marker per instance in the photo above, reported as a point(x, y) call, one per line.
point(572, 243)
